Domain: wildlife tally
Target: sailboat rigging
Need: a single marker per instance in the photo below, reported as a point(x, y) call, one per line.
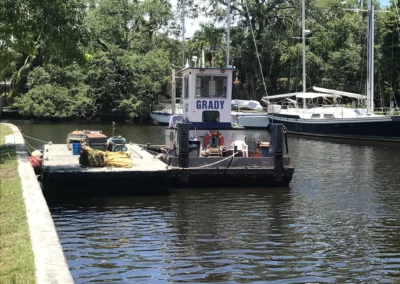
point(335, 120)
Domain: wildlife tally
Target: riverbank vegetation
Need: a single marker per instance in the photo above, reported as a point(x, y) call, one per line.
point(16, 256)
point(84, 58)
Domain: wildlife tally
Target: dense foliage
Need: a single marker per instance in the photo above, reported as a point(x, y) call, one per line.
point(88, 57)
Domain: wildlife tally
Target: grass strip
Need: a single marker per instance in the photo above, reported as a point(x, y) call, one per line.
point(16, 255)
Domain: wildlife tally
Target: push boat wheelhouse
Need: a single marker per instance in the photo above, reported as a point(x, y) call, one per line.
point(206, 102)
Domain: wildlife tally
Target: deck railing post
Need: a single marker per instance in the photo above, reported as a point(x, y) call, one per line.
point(276, 149)
point(183, 144)
point(113, 129)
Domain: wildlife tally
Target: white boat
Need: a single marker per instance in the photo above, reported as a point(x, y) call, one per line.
point(322, 114)
point(249, 114)
point(250, 120)
point(163, 116)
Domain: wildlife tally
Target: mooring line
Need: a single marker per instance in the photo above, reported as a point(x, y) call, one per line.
point(30, 146)
point(209, 165)
point(45, 142)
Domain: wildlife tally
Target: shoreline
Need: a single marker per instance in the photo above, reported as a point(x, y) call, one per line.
point(50, 263)
point(13, 114)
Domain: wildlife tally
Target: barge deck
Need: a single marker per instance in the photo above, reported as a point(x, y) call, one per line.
point(61, 171)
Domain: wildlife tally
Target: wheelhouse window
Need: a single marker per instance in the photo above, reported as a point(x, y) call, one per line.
point(315, 115)
point(328, 115)
point(186, 87)
point(210, 116)
point(211, 86)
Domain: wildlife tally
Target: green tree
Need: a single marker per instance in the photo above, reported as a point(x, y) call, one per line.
point(50, 101)
point(211, 37)
point(149, 75)
point(389, 71)
point(36, 32)
point(128, 24)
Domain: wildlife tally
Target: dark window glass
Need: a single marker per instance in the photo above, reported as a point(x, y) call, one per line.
point(210, 116)
point(211, 86)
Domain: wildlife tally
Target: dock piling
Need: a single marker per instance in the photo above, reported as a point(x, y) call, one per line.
point(276, 149)
point(183, 144)
point(183, 149)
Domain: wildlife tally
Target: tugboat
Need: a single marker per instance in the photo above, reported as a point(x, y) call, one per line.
point(203, 147)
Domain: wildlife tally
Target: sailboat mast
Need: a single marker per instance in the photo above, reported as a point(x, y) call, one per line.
point(303, 40)
point(228, 31)
point(370, 58)
point(370, 45)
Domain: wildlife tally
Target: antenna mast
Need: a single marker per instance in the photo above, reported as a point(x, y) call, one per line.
point(183, 33)
point(370, 64)
point(228, 31)
point(303, 41)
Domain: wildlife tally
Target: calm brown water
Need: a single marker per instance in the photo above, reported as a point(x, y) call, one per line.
point(338, 222)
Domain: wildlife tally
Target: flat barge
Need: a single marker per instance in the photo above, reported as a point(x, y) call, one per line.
point(153, 172)
point(202, 149)
point(61, 172)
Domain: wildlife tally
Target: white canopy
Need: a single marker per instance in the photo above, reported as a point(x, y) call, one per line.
point(313, 95)
point(280, 96)
point(339, 93)
point(308, 95)
point(246, 104)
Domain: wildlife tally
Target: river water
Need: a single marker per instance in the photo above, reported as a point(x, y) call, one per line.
point(338, 222)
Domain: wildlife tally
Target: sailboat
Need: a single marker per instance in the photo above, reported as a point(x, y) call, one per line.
point(163, 115)
point(321, 113)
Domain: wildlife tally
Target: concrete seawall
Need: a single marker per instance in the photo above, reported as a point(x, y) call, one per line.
point(50, 263)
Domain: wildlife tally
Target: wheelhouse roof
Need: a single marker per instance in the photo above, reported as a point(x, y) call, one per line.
point(207, 69)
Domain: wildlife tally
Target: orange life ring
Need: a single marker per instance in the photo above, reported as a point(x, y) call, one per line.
point(36, 163)
point(217, 139)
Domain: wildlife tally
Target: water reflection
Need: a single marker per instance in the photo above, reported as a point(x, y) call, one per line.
point(213, 235)
point(227, 236)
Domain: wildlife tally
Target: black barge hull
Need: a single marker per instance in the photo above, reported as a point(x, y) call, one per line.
point(85, 182)
point(234, 172)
